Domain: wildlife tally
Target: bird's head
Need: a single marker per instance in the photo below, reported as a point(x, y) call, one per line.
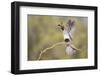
point(61, 26)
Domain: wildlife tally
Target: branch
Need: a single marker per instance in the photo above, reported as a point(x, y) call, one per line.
point(49, 48)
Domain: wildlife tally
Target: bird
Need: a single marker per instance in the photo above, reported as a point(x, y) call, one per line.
point(68, 31)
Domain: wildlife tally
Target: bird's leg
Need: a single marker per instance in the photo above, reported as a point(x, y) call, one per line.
point(73, 47)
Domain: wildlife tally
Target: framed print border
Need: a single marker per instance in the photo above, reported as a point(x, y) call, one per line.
point(15, 37)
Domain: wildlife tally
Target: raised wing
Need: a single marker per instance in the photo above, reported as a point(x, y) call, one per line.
point(70, 25)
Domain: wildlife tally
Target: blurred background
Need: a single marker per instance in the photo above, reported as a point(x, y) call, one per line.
point(43, 33)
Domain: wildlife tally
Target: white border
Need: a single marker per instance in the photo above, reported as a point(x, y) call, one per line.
point(26, 65)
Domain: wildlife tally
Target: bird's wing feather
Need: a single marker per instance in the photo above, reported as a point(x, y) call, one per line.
point(70, 25)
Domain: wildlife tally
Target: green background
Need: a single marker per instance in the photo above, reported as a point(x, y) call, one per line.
point(43, 32)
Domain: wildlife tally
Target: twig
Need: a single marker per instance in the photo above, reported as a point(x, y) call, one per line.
point(49, 48)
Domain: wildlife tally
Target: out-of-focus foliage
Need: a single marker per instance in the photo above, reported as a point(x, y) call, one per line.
point(43, 32)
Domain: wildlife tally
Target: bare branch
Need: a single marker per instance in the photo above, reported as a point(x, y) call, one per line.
point(40, 55)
